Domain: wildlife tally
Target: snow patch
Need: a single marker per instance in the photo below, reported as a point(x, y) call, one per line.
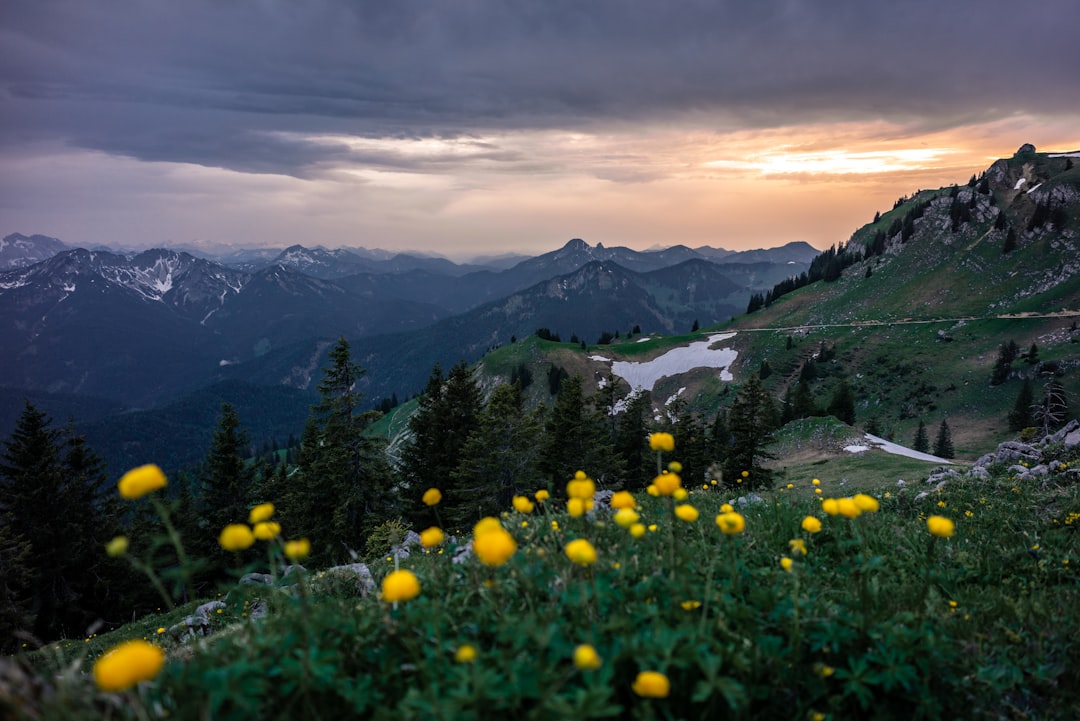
point(642, 340)
point(600, 358)
point(1019, 183)
point(1034, 188)
point(675, 361)
point(1075, 154)
point(674, 396)
point(889, 447)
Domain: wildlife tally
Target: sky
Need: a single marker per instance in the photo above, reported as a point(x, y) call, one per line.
point(478, 127)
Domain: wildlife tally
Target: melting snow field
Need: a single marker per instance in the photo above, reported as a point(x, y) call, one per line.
point(676, 361)
point(889, 447)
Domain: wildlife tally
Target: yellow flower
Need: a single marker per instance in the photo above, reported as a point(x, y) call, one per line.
point(623, 499)
point(298, 549)
point(686, 512)
point(541, 495)
point(522, 504)
point(817, 491)
point(652, 528)
point(117, 546)
point(486, 524)
point(652, 684)
point(745, 474)
point(940, 526)
point(680, 494)
point(790, 486)
point(786, 563)
point(667, 483)
point(690, 605)
point(581, 486)
point(581, 552)
point(866, 504)
point(432, 537)
point(129, 663)
point(137, 482)
point(236, 537)
point(811, 524)
point(662, 442)
point(266, 530)
point(161, 630)
point(726, 508)
point(400, 585)
point(495, 547)
point(798, 547)
point(731, 523)
point(637, 530)
point(260, 513)
point(847, 508)
point(626, 517)
point(823, 670)
point(586, 658)
point(575, 507)
point(652, 490)
point(466, 653)
point(675, 467)
point(815, 482)
point(830, 506)
point(432, 496)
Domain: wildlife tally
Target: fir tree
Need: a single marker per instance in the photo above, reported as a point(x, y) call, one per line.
point(576, 438)
point(842, 405)
point(749, 428)
point(922, 439)
point(943, 446)
point(633, 427)
point(227, 485)
point(1020, 416)
point(803, 405)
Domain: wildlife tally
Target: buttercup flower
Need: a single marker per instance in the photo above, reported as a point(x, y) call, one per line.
point(432, 537)
point(266, 530)
point(522, 504)
point(940, 526)
point(432, 496)
point(652, 684)
point(400, 585)
point(298, 549)
point(493, 546)
point(731, 523)
point(811, 524)
point(586, 658)
point(623, 499)
point(127, 664)
point(236, 537)
point(686, 512)
point(117, 546)
point(662, 442)
point(260, 513)
point(466, 653)
point(867, 504)
point(137, 482)
point(581, 552)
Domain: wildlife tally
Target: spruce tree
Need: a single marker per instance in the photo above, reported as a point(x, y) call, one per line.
point(802, 405)
point(16, 586)
point(943, 446)
point(922, 439)
point(227, 482)
point(842, 405)
point(749, 428)
point(638, 461)
point(576, 438)
point(1020, 416)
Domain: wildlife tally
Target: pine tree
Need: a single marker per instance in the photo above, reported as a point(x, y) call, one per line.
point(498, 460)
point(342, 491)
point(922, 440)
point(1020, 416)
point(842, 405)
point(943, 446)
point(750, 428)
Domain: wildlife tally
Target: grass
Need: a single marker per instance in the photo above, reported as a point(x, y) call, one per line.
point(879, 620)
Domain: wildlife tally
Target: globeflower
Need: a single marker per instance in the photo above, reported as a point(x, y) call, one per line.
point(400, 585)
point(810, 524)
point(726, 508)
point(541, 495)
point(940, 526)
point(651, 684)
point(432, 496)
point(830, 506)
point(493, 545)
point(623, 499)
point(260, 513)
point(797, 546)
point(867, 504)
point(786, 564)
point(637, 530)
point(432, 537)
point(667, 483)
point(664, 442)
point(626, 517)
point(298, 549)
point(266, 530)
point(236, 537)
point(522, 504)
point(117, 546)
point(581, 552)
point(575, 507)
point(466, 653)
point(137, 482)
point(586, 658)
point(129, 663)
point(731, 523)
point(581, 486)
point(686, 512)
point(847, 507)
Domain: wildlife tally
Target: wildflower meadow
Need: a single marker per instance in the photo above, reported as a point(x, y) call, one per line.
point(678, 602)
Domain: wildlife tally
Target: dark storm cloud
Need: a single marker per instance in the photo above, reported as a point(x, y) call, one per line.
point(239, 84)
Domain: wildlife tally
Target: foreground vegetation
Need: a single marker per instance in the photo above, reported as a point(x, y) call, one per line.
point(890, 612)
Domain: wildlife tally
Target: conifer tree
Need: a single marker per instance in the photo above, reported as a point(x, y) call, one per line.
point(943, 445)
point(1050, 411)
point(633, 428)
point(922, 439)
point(226, 478)
point(1020, 416)
point(802, 405)
point(842, 405)
point(576, 438)
point(343, 489)
point(16, 586)
point(749, 428)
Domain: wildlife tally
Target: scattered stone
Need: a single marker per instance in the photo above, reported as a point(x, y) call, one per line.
point(603, 498)
point(256, 579)
point(358, 571)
